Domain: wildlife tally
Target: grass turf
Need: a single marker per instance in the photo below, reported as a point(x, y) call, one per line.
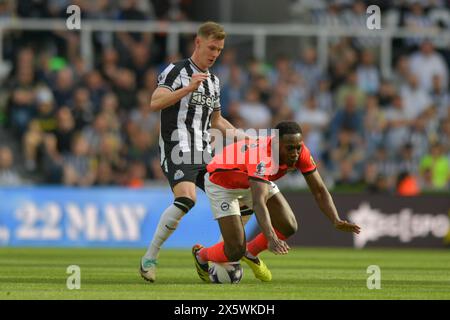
point(305, 273)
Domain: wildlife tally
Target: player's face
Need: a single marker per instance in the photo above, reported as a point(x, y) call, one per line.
point(290, 148)
point(209, 50)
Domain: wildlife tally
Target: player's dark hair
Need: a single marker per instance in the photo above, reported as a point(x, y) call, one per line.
point(288, 127)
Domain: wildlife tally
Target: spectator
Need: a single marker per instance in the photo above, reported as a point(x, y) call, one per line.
point(140, 62)
point(435, 168)
point(8, 175)
point(350, 88)
point(415, 99)
point(22, 106)
point(65, 130)
point(128, 41)
point(370, 177)
point(45, 109)
point(367, 73)
point(324, 96)
point(105, 175)
point(110, 109)
point(52, 160)
point(407, 185)
point(253, 112)
point(386, 167)
point(125, 89)
point(141, 118)
point(402, 72)
point(386, 94)
point(397, 124)
point(63, 87)
point(346, 175)
point(94, 133)
point(234, 90)
point(317, 121)
point(416, 21)
point(347, 149)
point(142, 149)
point(78, 167)
point(406, 162)
point(349, 118)
point(97, 87)
point(82, 108)
point(136, 175)
point(374, 125)
point(393, 120)
point(427, 63)
point(309, 68)
point(32, 140)
point(440, 97)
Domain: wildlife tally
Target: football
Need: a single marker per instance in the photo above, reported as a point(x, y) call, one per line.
point(225, 272)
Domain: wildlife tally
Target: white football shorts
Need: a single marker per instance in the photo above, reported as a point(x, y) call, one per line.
point(226, 202)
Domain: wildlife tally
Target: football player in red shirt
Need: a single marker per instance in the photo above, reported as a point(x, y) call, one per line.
point(243, 172)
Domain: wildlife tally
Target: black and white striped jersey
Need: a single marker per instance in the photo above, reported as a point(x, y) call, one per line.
point(186, 123)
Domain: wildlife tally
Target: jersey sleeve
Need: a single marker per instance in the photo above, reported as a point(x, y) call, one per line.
point(170, 78)
point(305, 163)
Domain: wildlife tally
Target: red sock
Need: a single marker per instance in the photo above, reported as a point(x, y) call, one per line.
point(260, 243)
point(214, 253)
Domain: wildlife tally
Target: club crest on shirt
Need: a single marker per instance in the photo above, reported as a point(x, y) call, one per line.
point(178, 175)
point(225, 206)
point(261, 169)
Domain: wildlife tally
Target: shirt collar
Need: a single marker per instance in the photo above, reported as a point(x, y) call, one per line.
point(197, 67)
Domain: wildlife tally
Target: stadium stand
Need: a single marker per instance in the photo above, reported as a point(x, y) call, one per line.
point(66, 123)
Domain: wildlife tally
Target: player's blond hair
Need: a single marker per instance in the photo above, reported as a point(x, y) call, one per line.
point(211, 29)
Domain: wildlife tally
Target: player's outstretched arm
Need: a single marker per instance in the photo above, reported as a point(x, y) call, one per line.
point(163, 97)
point(326, 204)
point(260, 194)
point(220, 123)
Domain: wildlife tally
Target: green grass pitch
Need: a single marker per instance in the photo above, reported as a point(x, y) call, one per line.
point(305, 273)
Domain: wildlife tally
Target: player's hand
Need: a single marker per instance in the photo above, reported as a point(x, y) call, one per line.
point(196, 80)
point(346, 226)
point(278, 246)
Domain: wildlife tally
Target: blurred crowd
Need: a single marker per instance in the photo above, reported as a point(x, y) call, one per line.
point(367, 131)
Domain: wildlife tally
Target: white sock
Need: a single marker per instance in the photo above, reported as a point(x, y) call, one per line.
point(167, 224)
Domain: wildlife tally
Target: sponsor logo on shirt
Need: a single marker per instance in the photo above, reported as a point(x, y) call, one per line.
point(199, 98)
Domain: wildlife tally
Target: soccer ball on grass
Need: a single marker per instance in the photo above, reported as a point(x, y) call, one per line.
point(225, 272)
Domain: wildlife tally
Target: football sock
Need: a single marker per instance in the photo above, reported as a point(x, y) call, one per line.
point(167, 224)
point(260, 243)
point(214, 253)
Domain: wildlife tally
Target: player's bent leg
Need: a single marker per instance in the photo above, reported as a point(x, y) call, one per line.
point(230, 250)
point(284, 223)
point(246, 215)
point(185, 189)
point(184, 201)
point(281, 215)
point(233, 233)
